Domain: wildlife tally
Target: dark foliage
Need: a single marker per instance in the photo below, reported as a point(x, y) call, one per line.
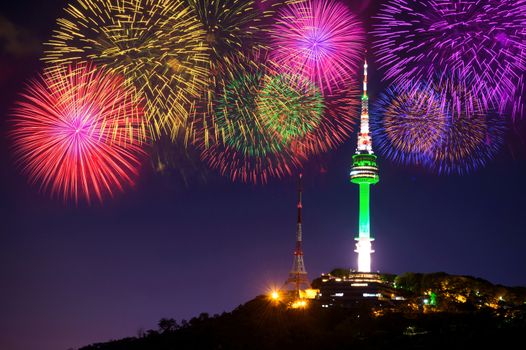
point(262, 324)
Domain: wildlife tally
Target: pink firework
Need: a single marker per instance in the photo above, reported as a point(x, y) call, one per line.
point(322, 40)
point(78, 133)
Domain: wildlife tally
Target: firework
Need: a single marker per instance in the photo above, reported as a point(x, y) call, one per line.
point(479, 44)
point(468, 144)
point(336, 124)
point(441, 127)
point(157, 45)
point(235, 32)
point(474, 133)
point(231, 25)
point(254, 169)
point(248, 147)
point(517, 101)
point(237, 118)
point(321, 40)
point(407, 126)
point(78, 133)
point(290, 106)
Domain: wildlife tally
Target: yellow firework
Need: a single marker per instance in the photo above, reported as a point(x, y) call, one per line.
point(231, 25)
point(235, 29)
point(157, 45)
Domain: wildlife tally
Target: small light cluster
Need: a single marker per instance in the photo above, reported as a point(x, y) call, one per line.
point(292, 300)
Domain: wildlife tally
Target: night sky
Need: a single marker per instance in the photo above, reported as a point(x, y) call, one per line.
point(70, 276)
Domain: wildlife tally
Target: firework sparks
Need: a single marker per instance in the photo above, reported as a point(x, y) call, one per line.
point(156, 45)
point(78, 133)
point(336, 124)
point(321, 40)
point(290, 106)
point(237, 117)
point(468, 144)
point(408, 125)
point(478, 44)
point(440, 127)
point(249, 149)
point(254, 169)
point(235, 31)
point(231, 25)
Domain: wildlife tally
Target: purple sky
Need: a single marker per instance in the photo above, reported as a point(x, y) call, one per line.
point(72, 276)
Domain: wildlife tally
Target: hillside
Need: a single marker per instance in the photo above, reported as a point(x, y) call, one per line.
point(263, 324)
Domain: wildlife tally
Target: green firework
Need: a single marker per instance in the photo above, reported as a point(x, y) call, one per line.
point(290, 106)
point(237, 116)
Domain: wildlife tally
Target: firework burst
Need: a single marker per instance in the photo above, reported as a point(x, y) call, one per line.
point(336, 124)
point(78, 133)
point(321, 40)
point(407, 126)
point(231, 25)
point(479, 44)
point(253, 169)
point(289, 106)
point(468, 144)
point(474, 134)
point(235, 32)
point(157, 45)
point(248, 148)
point(238, 120)
point(440, 127)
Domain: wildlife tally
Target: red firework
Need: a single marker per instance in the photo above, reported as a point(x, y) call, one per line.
point(337, 123)
point(240, 166)
point(78, 132)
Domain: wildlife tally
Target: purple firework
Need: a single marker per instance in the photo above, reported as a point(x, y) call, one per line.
point(322, 40)
point(478, 43)
point(408, 126)
point(469, 143)
point(442, 128)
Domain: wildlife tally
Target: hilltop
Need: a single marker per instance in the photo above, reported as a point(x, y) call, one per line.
point(469, 312)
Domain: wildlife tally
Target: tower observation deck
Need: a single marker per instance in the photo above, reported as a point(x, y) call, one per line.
point(364, 172)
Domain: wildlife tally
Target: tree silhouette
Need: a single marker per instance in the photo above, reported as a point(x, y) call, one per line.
point(167, 325)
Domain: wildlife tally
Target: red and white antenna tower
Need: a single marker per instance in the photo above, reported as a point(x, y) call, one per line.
point(298, 275)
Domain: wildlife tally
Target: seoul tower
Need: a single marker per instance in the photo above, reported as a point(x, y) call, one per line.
point(364, 172)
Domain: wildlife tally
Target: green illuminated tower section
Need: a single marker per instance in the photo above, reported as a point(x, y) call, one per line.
point(364, 173)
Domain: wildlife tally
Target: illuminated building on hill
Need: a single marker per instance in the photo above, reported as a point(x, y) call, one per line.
point(356, 289)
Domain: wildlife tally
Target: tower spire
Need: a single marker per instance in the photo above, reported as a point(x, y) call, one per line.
point(364, 138)
point(298, 275)
point(364, 172)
